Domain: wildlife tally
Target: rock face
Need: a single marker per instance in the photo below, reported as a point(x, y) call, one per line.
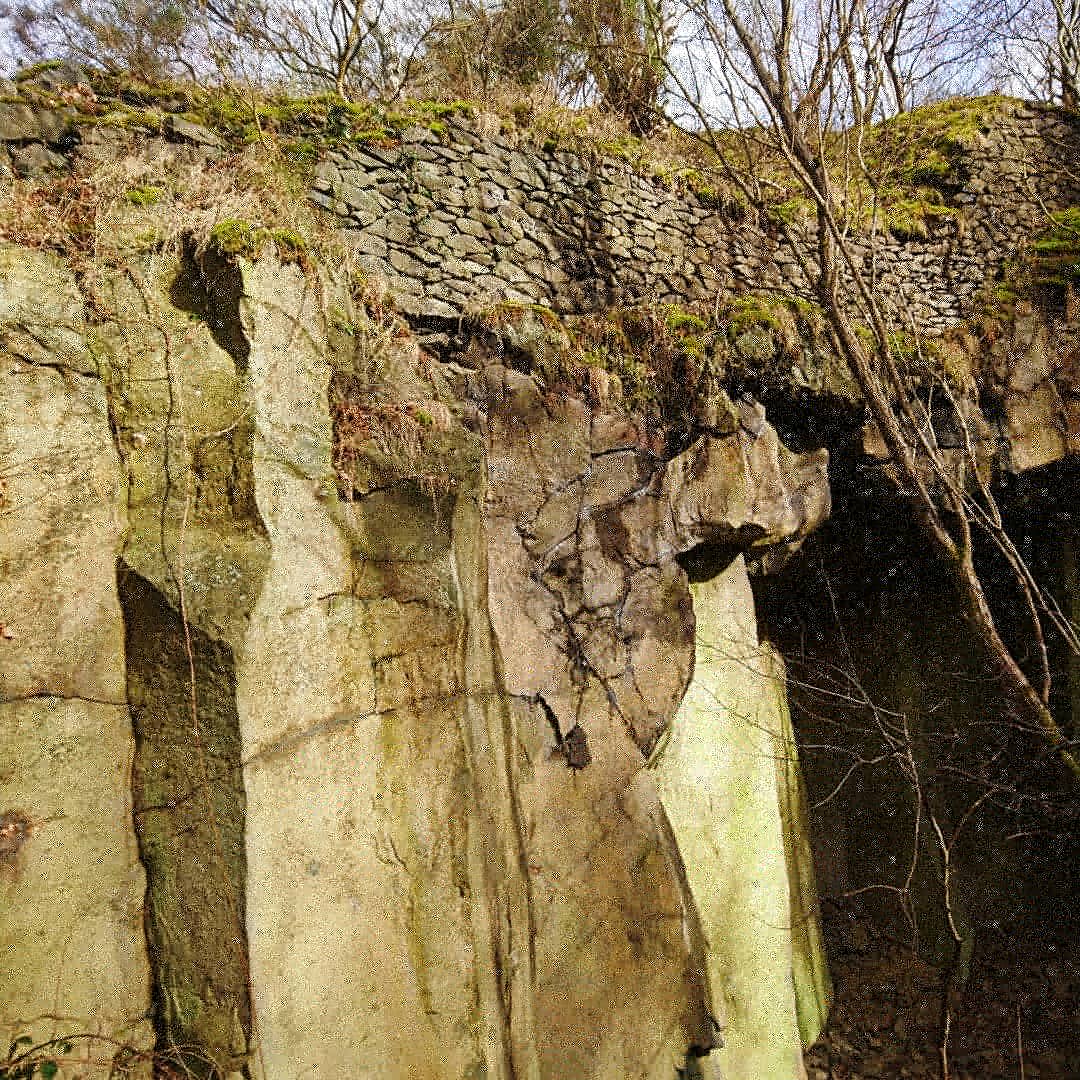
point(71, 882)
point(376, 713)
point(727, 756)
point(391, 644)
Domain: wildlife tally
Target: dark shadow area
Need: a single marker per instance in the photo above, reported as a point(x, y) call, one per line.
point(902, 732)
point(189, 820)
point(209, 285)
point(705, 561)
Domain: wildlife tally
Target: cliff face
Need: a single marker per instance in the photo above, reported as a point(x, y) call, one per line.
point(379, 703)
point(390, 722)
point(72, 880)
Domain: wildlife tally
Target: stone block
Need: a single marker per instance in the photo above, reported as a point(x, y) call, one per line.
point(22, 122)
point(177, 129)
point(464, 244)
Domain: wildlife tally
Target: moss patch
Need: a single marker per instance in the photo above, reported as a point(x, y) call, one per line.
point(926, 146)
point(1045, 275)
point(1055, 250)
point(915, 162)
point(664, 362)
point(247, 240)
point(33, 70)
point(144, 195)
point(242, 116)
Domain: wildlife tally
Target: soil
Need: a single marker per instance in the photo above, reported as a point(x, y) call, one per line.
point(1017, 1017)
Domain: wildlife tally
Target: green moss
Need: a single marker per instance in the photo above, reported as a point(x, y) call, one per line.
point(235, 237)
point(791, 211)
point(706, 186)
point(126, 117)
point(914, 162)
point(577, 132)
point(145, 195)
point(746, 312)
point(926, 359)
point(303, 151)
point(307, 124)
point(370, 123)
point(246, 240)
point(626, 147)
point(1054, 252)
point(291, 246)
point(146, 240)
point(37, 69)
point(906, 220)
point(1042, 275)
point(914, 216)
point(680, 320)
point(925, 147)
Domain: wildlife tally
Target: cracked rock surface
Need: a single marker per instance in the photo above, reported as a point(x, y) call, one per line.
point(71, 888)
point(390, 714)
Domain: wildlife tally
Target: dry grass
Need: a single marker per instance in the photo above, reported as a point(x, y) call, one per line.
point(396, 440)
point(153, 197)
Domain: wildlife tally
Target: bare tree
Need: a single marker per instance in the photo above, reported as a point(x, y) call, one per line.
point(610, 52)
point(928, 49)
point(355, 47)
point(1036, 44)
point(146, 38)
point(774, 57)
point(625, 44)
point(476, 47)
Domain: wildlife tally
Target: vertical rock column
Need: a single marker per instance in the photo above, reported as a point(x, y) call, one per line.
point(502, 911)
point(810, 973)
point(72, 948)
point(306, 705)
point(388, 917)
point(193, 555)
point(721, 776)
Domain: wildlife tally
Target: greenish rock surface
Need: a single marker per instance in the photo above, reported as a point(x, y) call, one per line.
point(726, 781)
point(388, 643)
point(74, 957)
point(330, 668)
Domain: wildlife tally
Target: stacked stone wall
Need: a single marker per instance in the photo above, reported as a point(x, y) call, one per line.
point(460, 220)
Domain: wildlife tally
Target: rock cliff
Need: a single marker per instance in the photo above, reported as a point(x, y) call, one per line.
point(395, 746)
point(381, 697)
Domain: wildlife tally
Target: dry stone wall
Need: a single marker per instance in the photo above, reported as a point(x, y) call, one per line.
point(461, 219)
point(456, 217)
point(450, 222)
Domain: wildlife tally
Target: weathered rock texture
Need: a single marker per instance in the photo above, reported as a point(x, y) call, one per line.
point(71, 933)
point(389, 722)
point(385, 676)
point(728, 750)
